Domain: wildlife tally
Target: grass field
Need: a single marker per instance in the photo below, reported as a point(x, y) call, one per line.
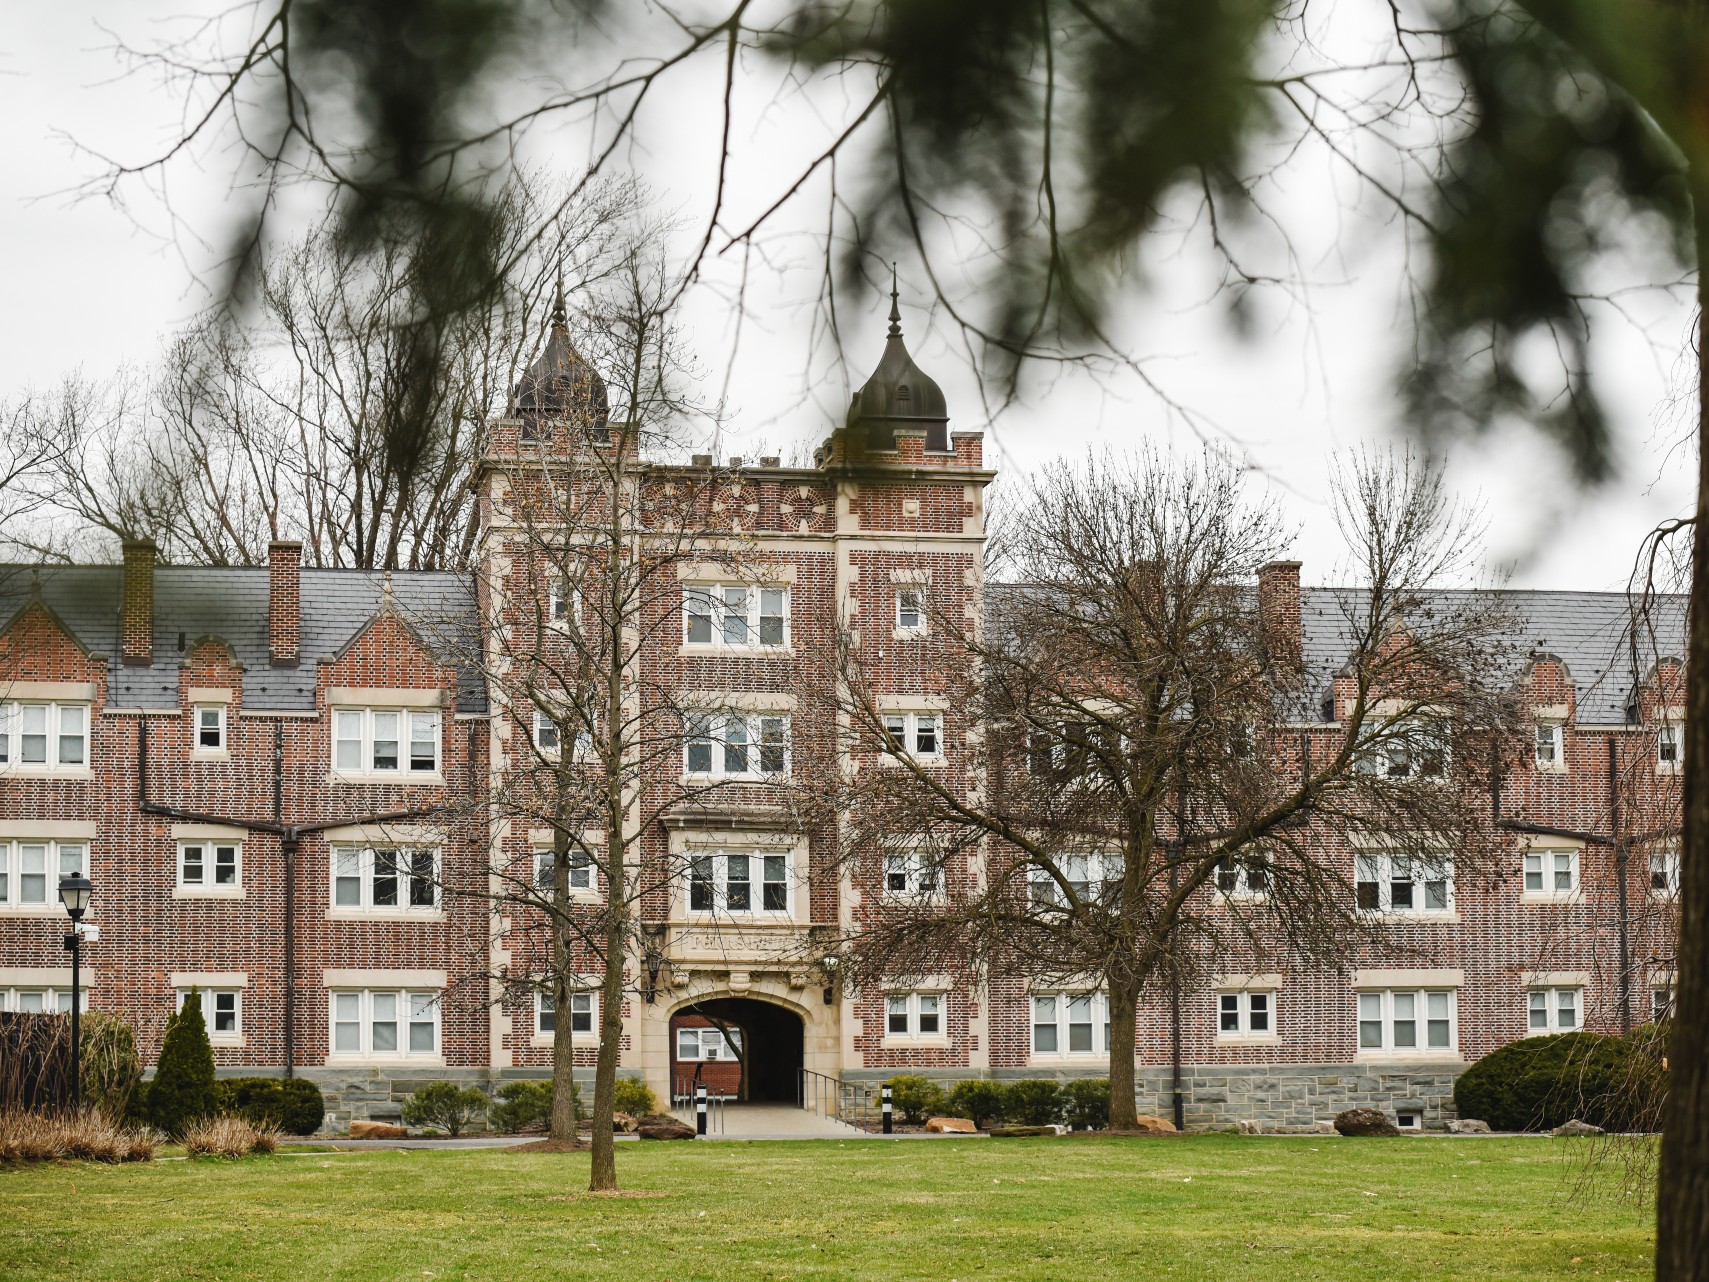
point(1212, 1207)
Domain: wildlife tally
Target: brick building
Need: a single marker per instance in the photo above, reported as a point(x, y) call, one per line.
point(275, 779)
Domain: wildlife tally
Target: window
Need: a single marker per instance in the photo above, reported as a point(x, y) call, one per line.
point(697, 1045)
point(41, 1001)
point(581, 1014)
point(1073, 752)
point(30, 871)
point(1408, 750)
point(1247, 1013)
point(1661, 1002)
point(385, 880)
point(385, 741)
point(1551, 874)
point(210, 727)
point(1071, 1024)
point(1551, 748)
point(1403, 1020)
point(911, 609)
point(1403, 884)
point(1664, 873)
point(549, 732)
point(44, 736)
point(1244, 877)
point(738, 882)
point(581, 870)
point(914, 1015)
point(379, 1023)
point(1087, 876)
point(1554, 1010)
point(563, 603)
point(1670, 747)
point(205, 865)
point(735, 745)
point(222, 1012)
point(735, 616)
point(913, 874)
point(916, 734)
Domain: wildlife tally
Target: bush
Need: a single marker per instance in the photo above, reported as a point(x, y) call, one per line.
point(183, 1088)
point(444, 1106)
point(287, 1104)
point(634, 1097)
point(1032, 1101)
point(915, 1097)
point(522, 1106)
point(111, 1067)
point(229, 1137)
point(1086, 1103)
point(1538, 1083)
point(979, 1100)
point(34, 1137)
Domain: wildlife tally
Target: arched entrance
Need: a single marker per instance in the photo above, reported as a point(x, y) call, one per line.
point(738, 1047)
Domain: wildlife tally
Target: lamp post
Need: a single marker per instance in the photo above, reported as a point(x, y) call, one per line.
point(74, 893)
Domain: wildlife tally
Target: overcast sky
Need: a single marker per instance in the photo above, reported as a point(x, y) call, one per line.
point(94, 286)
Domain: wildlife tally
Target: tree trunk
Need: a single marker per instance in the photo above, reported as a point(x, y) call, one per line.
point(1124, 1017)
point(563, 1121)
point(1682, 1191)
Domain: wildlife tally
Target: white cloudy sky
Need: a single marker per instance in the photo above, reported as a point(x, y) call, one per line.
point(94, 285)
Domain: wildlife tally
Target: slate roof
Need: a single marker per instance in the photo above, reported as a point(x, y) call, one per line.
point(194, 602)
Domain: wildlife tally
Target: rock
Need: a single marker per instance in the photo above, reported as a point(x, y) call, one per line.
point(377, 1131)
point(1365, 1121)
point(625, 1123)
point(1467, 1126)
point(1576, 1127)
point(664, 1129)
point(950, 1125)
point(1154, 1125)
point(1316, 1128)
point(1020, 1132)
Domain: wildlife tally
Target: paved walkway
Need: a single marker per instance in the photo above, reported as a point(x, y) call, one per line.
point(780, 1122)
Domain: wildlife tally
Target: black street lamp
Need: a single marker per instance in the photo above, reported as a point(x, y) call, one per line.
point(74, 893)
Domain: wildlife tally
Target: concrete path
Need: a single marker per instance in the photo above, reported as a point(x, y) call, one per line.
point(780, 1122)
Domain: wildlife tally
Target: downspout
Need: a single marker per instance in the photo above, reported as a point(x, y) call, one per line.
point(1622, 857)
point(288, 857)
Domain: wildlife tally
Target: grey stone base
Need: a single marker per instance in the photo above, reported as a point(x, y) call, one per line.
point(1272, 1098)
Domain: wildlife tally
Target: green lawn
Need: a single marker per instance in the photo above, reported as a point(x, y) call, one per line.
point(1085, 1210)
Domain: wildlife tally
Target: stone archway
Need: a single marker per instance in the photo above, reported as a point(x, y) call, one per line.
point(769, 1049)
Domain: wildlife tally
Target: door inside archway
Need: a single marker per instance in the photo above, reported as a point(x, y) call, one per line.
point(739, 1047)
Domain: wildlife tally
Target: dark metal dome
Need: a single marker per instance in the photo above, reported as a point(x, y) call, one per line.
point(560, 384)
point(899, 394)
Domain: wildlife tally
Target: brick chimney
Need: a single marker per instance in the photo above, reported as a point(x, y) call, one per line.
point(136, 604)
point(1279, 624)
point(284, 601)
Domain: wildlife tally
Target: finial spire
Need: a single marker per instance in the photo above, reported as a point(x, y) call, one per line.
point(560, 314)
point(895, 307)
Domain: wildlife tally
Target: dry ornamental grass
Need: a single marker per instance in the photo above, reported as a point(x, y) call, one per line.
point(33, 1137)
point(229, 1137)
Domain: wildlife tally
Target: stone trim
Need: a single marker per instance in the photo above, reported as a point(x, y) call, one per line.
point(210, 979)
point(46, 976)
point(383, 697)
point(1555, 978)
point(49, 829)
point(382, 979)
point(71, 691)
point(208, 832)
point(1419, 978)
point(207, 694)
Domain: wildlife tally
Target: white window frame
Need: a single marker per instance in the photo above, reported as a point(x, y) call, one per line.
point(547, 734)
point(211, 999)
point(54, 1001)
point(209, 851)
point(412, 1009)
point(199, 714)
point(1065, 1024)
point(1100, 868)
point(914, 1010)
point(1252, 1012)
point(365, 766)
point(913, 876)
point(1661, 1001)
point(1244, 877)
point(1664, 868)
point(362, 865)
point(710, 1045)
point(1547, 1001)
point(1389, 1019)
point(1403, 749)
point(46, 858)
point(55, 718)
point(1387, 867)
point(729, 629)
point(1670, 739)
point(1550, 747)
point(584, 1003)
point(563, 604)
point(762, 736)
point(718, 862)
point(911, 600)
point(1547, 871)
point(903, 735)
point(582, 872)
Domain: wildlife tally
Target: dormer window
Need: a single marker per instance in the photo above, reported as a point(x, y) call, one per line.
point(210, 728)
point(1551, 746)
point(44, 737)
point(392, 742)
point(1670, 747)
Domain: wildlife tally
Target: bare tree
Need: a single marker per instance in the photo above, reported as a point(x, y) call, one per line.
point(1151, 789)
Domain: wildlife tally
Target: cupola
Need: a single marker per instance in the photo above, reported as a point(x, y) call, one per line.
point(899, 394)
point(560, 384)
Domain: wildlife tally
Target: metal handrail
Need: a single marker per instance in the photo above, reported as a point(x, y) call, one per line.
point(850, 1103)
point(683, 1100)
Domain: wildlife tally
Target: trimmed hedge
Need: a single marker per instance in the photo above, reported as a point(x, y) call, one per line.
point(633, 1096)
point(291, 1104)
point(978, 1099)
point(1086, 1103)
point(1032, 1101)
point(182, 1092)
point(1538, 1083)
point(445, 1106)
point(916, 1097)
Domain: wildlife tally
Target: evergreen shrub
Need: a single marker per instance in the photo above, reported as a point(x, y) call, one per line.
point(1032, 1101)
point(915, 1097)
point(182, 1092)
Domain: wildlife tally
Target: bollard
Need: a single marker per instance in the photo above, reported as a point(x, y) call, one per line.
point(884, 1094)
point(700, 1109)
